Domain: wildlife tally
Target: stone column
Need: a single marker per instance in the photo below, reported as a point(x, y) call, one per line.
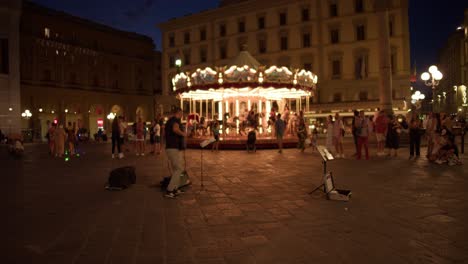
point(385, 79)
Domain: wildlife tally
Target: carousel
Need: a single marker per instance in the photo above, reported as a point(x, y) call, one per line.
point(243, 96)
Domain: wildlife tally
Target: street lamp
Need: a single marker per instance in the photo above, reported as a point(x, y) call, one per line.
point(416, 99)
point(178, 63)
point(26, 114)
point(432, 79)
point(111, 116)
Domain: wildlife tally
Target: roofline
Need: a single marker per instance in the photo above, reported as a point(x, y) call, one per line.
point(215, 11)
point(98, 26)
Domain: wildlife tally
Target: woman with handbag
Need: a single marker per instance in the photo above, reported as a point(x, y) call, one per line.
point(393, 136)
point(415, 133)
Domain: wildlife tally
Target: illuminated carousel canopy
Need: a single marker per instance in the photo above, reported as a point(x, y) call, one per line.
point(244, 77)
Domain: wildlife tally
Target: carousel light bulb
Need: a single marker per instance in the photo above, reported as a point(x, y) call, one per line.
point(422, 96)
point(40, 110)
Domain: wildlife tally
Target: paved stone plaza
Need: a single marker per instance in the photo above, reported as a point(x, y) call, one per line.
point(256, 210)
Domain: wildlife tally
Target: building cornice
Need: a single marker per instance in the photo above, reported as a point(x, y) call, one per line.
point(221, 12)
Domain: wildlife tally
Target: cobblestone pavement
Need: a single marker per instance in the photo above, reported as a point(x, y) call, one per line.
point(256, 210)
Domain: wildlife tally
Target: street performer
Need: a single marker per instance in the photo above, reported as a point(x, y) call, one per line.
point(175, 144)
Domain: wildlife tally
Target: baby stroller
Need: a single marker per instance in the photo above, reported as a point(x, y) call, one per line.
point(251, 139)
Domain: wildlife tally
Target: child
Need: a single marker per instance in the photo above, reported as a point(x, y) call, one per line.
point(314, 138)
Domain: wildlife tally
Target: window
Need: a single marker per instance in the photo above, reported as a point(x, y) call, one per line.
point(222, 30)
point(337, 97)
point(333, 10)
point(4, 56)
point(73, 78)
point(47, 32)
point(241, 26)
point(393, 61)
point(306, 40)
point(336, 69)
point(186, 37)
point(262, 45)
point(360, 32)
point(305, 14)
point(46, 75)
point(95, 80)
point(282, 19)
point(171, 41)
point(334, 36)
point(363, 96)
point(361, 67)
point(202, 34)
point(187, 57)
point(391, 27)
point(261, 22)
point(222, 52)
point(308, 66)
point(115, 84)
point(284, 43)
point(171, 61)
point(203, 55)
point(359, 6)
point(140, 85)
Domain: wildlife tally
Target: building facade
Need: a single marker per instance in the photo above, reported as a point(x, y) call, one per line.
point(336, 39)
point(10, 12)
point(79, 71)
point(450, 95)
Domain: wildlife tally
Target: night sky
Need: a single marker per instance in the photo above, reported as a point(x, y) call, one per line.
point(431, 21)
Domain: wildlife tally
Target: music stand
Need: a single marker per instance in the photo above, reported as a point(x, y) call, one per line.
point(203, 144)
point(326, 156)
point(328, 183)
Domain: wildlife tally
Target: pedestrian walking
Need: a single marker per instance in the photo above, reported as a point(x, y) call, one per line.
point(71, 138)
point(116, 137)
point(215, 130)
point(280, 126)
point(174, 147)
point(329, 138)
point(140, 137)
point(301, 134)
point(51, 139)
point(415, 133)
point(123, 135)
point(60, 137)
point(354, 131)
point(381, 126)
point(157, 137)
point(362, 131)
point(338, 133)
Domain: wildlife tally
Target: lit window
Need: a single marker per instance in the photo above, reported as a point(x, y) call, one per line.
point(47, 32)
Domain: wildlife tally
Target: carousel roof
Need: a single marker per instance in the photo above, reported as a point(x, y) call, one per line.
point(244, 58)
point(245, 77)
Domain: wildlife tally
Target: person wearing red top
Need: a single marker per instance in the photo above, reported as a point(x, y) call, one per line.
point(381, 127)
